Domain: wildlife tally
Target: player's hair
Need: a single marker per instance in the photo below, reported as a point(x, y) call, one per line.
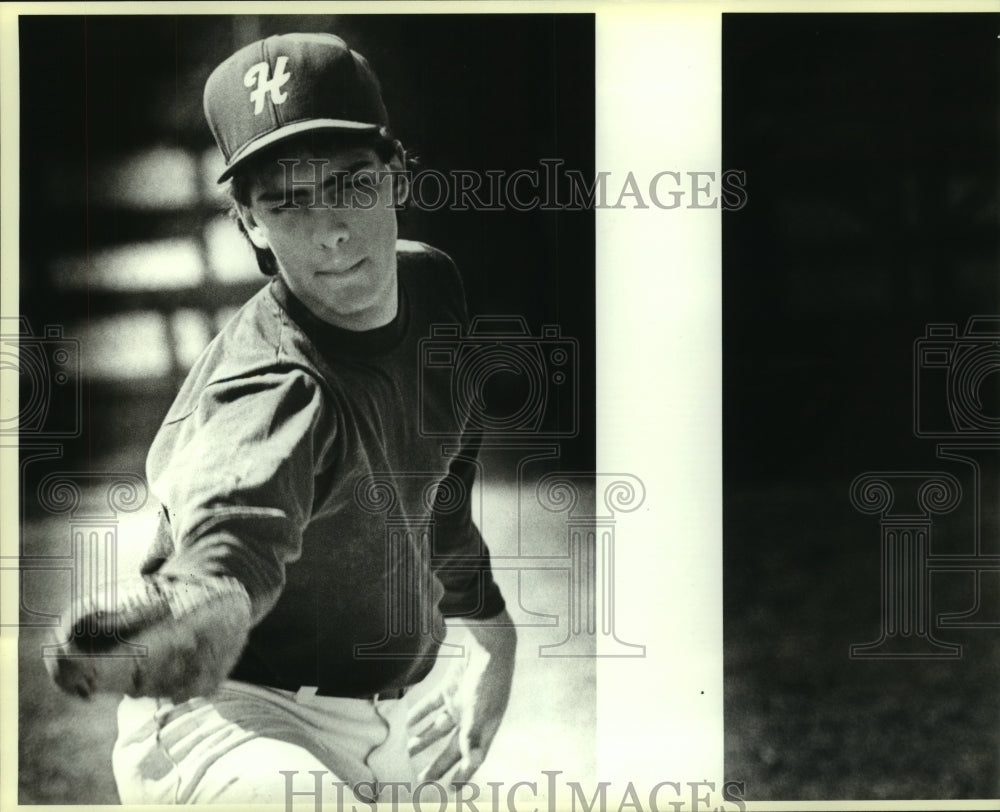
point(242, 180)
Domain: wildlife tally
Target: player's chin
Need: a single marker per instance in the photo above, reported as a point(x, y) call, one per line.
point(354, 301)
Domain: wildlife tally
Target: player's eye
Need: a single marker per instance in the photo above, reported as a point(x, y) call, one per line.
point(293, 204)
point(341, 184)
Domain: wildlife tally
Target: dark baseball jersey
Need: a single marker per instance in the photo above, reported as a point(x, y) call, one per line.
point(293, 460)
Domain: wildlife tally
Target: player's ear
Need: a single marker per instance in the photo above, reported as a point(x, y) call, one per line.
point(251, 226)
point(400, 178)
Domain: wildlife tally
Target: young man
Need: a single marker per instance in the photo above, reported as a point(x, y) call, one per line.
point(296, 484)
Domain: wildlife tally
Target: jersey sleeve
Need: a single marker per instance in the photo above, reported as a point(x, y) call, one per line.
point(236, 476)
point(461, 558)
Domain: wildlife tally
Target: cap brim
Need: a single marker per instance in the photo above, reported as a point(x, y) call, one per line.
point(288, 131)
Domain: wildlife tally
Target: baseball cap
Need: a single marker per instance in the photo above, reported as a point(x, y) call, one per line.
point(289, 84)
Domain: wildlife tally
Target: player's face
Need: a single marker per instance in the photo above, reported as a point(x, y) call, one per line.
point(335, 244)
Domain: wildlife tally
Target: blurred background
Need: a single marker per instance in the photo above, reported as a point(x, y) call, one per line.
point(870, 144)
point(130, 264)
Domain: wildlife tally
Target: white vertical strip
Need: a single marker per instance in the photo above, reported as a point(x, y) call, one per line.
point(659, 376)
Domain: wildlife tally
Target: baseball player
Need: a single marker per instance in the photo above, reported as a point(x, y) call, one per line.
point(311, 542)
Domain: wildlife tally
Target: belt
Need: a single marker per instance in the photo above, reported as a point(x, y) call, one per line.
point(388, 693)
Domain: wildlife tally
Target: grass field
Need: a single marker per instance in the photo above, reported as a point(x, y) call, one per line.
point(803, 720)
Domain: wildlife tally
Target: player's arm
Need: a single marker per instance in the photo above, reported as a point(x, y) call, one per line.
point(238, 477)
point(469, 705)
point(461, 557)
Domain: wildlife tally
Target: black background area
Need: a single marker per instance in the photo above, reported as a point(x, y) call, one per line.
point(870, 143)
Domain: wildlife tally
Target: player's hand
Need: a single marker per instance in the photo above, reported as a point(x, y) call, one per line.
point(469, 705)
point(159, 635)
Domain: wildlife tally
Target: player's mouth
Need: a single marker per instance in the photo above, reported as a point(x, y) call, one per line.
point(357, 266)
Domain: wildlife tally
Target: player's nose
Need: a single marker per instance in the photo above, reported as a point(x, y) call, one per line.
point(332, 230)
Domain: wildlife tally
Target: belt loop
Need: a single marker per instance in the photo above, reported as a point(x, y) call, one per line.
point(306, 692)
point(391, 693)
